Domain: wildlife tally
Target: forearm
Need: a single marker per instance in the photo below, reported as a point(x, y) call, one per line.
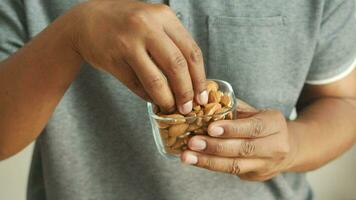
point(323, 131)
point(32, 81)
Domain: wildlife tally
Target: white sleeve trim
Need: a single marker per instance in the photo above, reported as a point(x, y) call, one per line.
point(335, 78)
point(293, 115)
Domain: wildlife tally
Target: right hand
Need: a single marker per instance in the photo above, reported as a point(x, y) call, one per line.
point(144, 46)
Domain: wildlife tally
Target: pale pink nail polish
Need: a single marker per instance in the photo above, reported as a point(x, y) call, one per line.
point(191, 159)
point(216, 131)
point(203, 98)
point(186, 108)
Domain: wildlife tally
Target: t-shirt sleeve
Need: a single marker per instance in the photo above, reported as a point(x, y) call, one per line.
point(335, 53)
point(12, 27)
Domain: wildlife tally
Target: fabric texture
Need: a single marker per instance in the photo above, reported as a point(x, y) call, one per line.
point(98, 143)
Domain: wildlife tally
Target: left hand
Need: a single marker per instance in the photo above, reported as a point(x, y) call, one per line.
point(257, 146)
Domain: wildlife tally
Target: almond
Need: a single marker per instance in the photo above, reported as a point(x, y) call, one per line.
point(225, 100)
point(170, 141)
point(177, 119)
point(163, 133)
point(179, 143)
point(211, 108)
point(215, 96)
point(193, 127)
point(162, 124)
point(229, 115)
point(199, 131)
point(177, 129)
point(219, 114)
point(199, 121)
point(197, 108)
point(211, 86)
point(193, 115)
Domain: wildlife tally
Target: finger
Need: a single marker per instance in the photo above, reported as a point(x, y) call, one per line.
point(193, 54)
point(245, 107)
point(235, 166)
point(153, 81)
point(252, 176)
point(123, 72)
point(262, 124)
point(173, 64)
point(248, 148)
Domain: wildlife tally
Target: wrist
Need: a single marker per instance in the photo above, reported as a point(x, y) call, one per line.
point(294, 128)
point(69, 26)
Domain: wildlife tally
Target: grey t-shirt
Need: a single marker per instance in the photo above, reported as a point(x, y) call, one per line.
point(98, 143)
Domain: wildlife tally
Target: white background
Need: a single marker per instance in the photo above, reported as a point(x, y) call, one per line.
point(335, 181)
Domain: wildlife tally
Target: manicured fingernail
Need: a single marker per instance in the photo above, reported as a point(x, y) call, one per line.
point(191, 159)
point(186, 108)
point(197, 144)
point(216, 131)
point(203, 98)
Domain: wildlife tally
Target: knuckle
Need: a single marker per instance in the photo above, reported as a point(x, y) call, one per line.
point(234, 169)
point(219, 148)
point(247, 148)
point(233, 129)
point(186, 95)
point(196, 54)
point(256, 127)
point(156, 82)
point(201, 83)
point(177, 63)
point(123, 43)
point(138, 18)
point(163, 8)
point(209, 163)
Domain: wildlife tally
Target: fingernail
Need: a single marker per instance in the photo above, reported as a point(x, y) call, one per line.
point(191, 159)
point(197, 144)
point(216, 131)
point(186, 108)
point(203, 98)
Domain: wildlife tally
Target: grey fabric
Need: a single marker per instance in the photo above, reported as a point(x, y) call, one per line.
point(98, 143)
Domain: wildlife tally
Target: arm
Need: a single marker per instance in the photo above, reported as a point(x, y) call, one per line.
point(326, 126)
point(32, 81)
point(145, 47)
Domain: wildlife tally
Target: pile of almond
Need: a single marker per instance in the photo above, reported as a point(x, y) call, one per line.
point(177, 131)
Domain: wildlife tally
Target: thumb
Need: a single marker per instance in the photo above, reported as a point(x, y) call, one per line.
point(244, 110)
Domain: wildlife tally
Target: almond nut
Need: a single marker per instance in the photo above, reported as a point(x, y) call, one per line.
point(192, 115)
point(163, 133)
point(229, 115)
point(199, 121)
point(225, 100)
point(199, 131)
point(179, 143)
point(197, 108)
point(177, 129)
point(215, 96)
point(211, 108)
point(170, 141)
point(211, 86)
point(176, 119)
point(162, 124)
point(193, 127)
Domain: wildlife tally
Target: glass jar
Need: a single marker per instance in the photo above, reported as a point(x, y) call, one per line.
point(172, 132)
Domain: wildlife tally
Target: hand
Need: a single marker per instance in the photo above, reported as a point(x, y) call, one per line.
point(136, 42)
point(255, 147)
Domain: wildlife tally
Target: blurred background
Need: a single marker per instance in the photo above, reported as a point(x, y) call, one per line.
point(335, 181)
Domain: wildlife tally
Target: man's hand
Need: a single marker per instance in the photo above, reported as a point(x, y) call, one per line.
point(142, 45)
point(256, 146)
